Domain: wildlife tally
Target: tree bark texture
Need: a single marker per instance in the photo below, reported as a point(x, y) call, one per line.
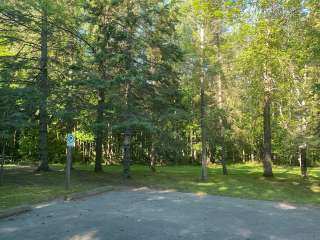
point(303, 160)
point(204, 174)
point(126, 154)
point(267, 159)
point(43, 89)
point(218, 26)
point(220, 105)
point(204, 171)
point(99, 131)
point(152, 159)
point(2, 164)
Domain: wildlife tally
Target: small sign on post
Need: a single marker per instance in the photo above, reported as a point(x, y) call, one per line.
point(71, 140)
point(70, 144)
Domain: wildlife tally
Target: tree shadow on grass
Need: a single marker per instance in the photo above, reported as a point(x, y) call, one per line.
point(242, 182)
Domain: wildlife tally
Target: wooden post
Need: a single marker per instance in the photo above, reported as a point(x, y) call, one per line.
point(68, 167)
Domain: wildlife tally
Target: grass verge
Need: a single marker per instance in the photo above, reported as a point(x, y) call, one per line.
point(24, 186)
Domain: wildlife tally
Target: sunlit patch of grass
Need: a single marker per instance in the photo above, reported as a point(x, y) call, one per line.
point(223, 188)
point(205, 184)
point(315, 188)
point(23, 186)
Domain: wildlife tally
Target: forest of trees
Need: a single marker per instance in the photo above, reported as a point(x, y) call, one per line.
point(160, 82)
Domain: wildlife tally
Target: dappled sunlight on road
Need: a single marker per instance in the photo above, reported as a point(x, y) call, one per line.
point(7, 230)
point(155, 198)
point(201, 194)
point(243, 232)
point(150, 214)
point(285, 206)
point(45, 205)
point(91, 235)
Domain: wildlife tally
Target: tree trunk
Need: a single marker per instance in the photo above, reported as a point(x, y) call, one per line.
point(204, 171)
point(233, 156)
point(303, 160)
point(191, 147)
point(127, 133)
point(2, 164)
point(220, 105)
point(204, 174)
point(126, 154)
point(152, 158)
point(302, 127)
point(99, 131)
point(223, 156)
point(218, 25)
point(43, 87)
point(267, 161)
point(243, 156)
point(224, 162)
point(252, 156)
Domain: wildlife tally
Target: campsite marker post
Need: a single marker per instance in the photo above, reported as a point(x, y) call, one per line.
point(70, 145)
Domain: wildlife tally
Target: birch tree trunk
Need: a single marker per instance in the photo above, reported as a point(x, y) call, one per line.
point(302, 127)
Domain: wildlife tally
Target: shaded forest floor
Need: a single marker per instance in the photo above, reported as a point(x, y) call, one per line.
point(24, 186)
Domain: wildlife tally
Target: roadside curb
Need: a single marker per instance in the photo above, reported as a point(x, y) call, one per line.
point(80, 195)
point(69, 197)
point(14, 211)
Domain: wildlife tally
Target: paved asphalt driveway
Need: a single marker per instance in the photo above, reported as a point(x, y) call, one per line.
point(140, 214)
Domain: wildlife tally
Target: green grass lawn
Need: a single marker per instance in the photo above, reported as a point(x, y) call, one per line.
point(23, 186)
